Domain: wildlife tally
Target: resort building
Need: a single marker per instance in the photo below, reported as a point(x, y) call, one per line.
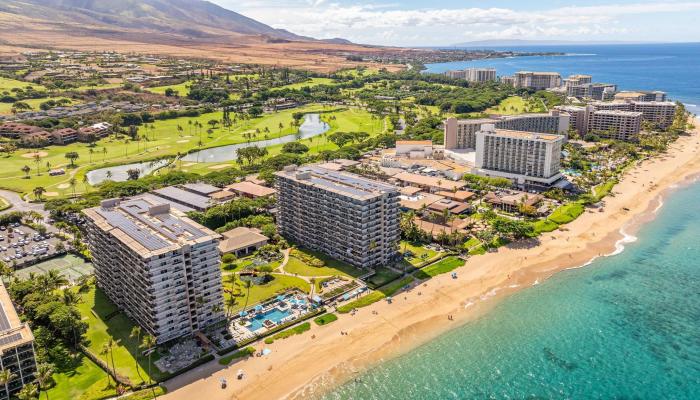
point(158, 266)
point(537, 80)
point(16, 348)
point(417, 149)
point(507, 80)
point(474, 74)
point(659, 113)
point(524, 157)
point(578, 117)
point(251, 190)
point(655, 95)
point(461, 133)
point(343, 215)
point(242, 241)
point(574, 80)
point(595, 91)
point(616, 124)
point(511, 202)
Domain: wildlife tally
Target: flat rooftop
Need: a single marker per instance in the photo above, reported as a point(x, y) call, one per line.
point(190, 199)
point(524, 135)
point(343, 183)
point(619, 112)
point(204, 189)
point(13, 332)
point(147, 226)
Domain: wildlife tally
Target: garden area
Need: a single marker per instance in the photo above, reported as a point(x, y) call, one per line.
point(417, 254)
point(447, 264)
point(310, 263)
point(245, 293)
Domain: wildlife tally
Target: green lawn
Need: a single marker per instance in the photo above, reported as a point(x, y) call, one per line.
point(86, 382)
point(6, 85)
point(566, 213)
point(509, 106)
point(325, 319)
point(379, 294)
point(604, 189)
point(297, 330)
point(443, 266)
point(420, 253)
point(331, 267)
point(259, 293)
point(6, 108)
point(310, 83)
point(382, 277)
point(164, 140)
point(545, 225)
point(95, 309)
point(243, 263)
point(181, 88)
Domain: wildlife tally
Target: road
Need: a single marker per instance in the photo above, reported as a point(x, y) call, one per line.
point(19, 204)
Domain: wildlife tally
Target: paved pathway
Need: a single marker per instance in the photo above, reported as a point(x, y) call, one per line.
point(19, 204)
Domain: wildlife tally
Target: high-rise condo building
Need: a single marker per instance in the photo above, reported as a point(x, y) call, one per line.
point(526, 158)
point(659, 113)
point(578, 117)
point(343, 215)
point(461, 133)
point(537, 80)
point(574, 80)
point(16, 348)
point(595, 91)
point(474, 74)
point(643, 95)
point(158, 266)
point(616, 124)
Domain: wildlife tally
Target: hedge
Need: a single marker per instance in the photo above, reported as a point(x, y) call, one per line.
point(567, 213)
point(297, 330)
point(375, 296)
point(325, 319)
point(245, 352)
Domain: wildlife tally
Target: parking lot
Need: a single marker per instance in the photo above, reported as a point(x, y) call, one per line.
point(21, 245)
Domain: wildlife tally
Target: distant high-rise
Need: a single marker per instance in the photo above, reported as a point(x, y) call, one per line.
point(537, 80)
point(474, 74)
point(343, 215)
point(157, 265)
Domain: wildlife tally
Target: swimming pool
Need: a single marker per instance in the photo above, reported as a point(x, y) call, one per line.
point(275, 315)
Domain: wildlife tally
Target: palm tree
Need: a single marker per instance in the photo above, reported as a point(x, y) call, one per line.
point(6, 376)
point(44, 371)
point(105, 352)
point(38, 191)
point(104, 153)
point(136, 333)
point(70, 298)
point(28, 392)
point(55, 279)
point(26, 170)
point(72, 182)
point(86, 182)
point(108, 175)
point(247, 284)
point(37, 161)
point(91, 151)
point(148, 343)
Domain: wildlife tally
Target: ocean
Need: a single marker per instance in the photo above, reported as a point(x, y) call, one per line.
point(673, 68)
point(624, 327)
point(627, 326)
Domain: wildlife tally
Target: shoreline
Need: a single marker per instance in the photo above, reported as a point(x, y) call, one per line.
point(300, 367)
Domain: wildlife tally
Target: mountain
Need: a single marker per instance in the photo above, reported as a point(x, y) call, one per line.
point(191, 19)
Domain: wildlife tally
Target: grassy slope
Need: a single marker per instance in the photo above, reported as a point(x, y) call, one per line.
point(87, 381)
point(510, 106)
point(6, 108)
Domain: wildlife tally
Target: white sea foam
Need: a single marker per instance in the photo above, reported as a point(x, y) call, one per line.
point(537, 282)
point(661, 204)
point(620, 244)
point(513, 286)
point(469, 304)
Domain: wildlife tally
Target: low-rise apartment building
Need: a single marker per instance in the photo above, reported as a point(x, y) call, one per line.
point(526, 158)
point(343, 215)
point(16, 348)
point(158, 266)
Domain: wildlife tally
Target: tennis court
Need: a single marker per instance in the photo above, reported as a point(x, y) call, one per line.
point(70, 266)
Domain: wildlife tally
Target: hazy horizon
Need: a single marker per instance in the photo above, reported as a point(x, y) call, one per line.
point(411, 23)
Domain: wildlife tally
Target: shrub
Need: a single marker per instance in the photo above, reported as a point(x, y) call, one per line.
point(325, 319)
point(245, 352)
point(297, 330)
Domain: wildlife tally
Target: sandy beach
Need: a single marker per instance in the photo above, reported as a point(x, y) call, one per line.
point(301, 366)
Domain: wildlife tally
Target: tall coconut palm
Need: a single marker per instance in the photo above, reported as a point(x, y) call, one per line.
point(6, 376)
point(148, 343)
point(28, 392)
point(136, 334)
point(43, 374)
point(38, 192)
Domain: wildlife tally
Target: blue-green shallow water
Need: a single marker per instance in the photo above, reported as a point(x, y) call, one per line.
point(624, 327)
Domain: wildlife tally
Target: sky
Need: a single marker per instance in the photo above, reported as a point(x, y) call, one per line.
point(447, 22)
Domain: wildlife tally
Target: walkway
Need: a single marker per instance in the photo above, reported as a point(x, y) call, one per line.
point(19, 204)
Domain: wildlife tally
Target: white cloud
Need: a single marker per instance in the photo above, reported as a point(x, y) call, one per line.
point(389, 24)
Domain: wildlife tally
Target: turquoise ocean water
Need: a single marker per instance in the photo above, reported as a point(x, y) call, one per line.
point(624, 327)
